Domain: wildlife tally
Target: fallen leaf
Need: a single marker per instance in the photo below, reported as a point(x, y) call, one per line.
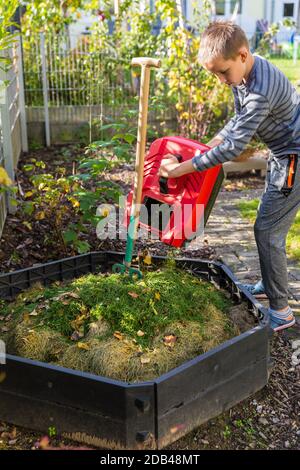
point(13, 433)
point(170, 340)
point(40, 215)
point(145, 360)
point(147, 259)
point(151, 303)
point(140, 333)
point(133, 294)
point(2, 376)
point(44, 442)
point(77, 323)
point(26, 318)
point(2, 318)
point(83, 346)
point(34, 313)
point(27, 224)
point(66, 294)
point(4, 329)
point(118, 335)
point(157, 295)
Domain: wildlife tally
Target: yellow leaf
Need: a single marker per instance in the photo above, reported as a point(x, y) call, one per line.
point(2, 376)
point(28, 194)
point(151, 303)
point(118, 335)
point(27, 224)
point(157, 295)
point(4, 178)
point(26, 318)
point(83, 346)
point(40, 215)
point(105, 212)
point(147, 259)
point(75, 202)
point(145, 360)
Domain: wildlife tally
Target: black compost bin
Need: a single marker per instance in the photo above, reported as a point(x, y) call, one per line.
point(111, 413)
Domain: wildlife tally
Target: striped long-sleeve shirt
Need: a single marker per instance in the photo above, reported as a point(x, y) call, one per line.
point(268, 106)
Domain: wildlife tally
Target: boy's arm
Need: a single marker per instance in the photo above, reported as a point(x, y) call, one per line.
point(252, 114)
point(255, 109)
point(170, 168)
point(226, 129)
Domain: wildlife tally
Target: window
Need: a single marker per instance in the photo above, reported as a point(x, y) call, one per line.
point(226, 7)
point(232, 6)
point(220, 7)
point(288, 9)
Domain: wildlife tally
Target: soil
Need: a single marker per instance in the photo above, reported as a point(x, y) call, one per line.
point(268, 420)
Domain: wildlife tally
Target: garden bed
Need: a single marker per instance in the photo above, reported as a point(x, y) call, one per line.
point(141, 414)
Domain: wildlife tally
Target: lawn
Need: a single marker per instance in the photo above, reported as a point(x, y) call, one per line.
point(249, 209)
point(288, 68)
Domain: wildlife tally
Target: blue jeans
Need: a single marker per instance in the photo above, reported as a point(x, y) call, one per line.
point(277, 210)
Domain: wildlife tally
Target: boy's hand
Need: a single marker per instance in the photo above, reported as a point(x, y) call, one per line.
point(168, 164)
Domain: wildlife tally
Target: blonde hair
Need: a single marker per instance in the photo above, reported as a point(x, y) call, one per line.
point(221, 38)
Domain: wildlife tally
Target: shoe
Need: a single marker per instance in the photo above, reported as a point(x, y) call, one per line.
point(257, 290)
point(278, 324)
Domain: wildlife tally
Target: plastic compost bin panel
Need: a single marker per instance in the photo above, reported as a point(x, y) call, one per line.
point(107, 412)
point(210, 384)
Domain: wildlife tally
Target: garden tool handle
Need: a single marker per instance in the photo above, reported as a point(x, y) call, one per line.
point(146, 61)
point(163, 181)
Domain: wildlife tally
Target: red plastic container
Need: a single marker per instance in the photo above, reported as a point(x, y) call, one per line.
point(189, 200)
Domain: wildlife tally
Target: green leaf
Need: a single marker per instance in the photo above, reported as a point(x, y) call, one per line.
point(98, 165)
point(28, 167)
point(82, 247)
point(70, 236)
point(129, 138)
point(28, 207)
point(113, 126)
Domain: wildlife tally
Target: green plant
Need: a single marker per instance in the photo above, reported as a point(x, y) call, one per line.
point(7, 10)
point(227, 432)
point(67, 204)
point(101, 69)
point(267, 42)
point(51, 431)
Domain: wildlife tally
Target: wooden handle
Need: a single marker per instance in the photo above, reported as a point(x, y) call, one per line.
point(146, 62)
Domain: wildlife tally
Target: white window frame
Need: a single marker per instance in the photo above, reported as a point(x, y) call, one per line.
point(228, 12)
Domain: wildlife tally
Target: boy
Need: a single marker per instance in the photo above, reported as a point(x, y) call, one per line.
point(266, 104)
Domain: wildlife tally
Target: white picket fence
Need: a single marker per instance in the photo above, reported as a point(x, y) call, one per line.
point(13, 132)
